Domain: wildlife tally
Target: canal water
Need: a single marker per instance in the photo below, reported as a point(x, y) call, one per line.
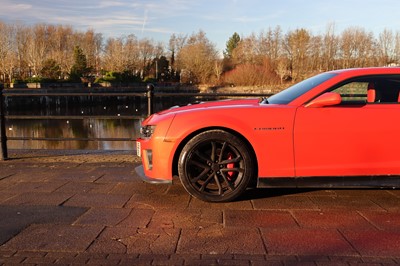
point(85, 133)
point(79, 122)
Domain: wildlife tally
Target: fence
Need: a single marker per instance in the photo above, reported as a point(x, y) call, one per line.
point(149, 95)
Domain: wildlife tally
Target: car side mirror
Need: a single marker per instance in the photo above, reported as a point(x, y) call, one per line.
point(326, 99)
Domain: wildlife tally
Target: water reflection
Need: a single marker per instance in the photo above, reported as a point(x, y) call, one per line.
point(72, 120)
point(76, 105)
point(65, 130)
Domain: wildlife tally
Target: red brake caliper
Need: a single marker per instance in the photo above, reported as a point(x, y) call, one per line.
point(230, 165)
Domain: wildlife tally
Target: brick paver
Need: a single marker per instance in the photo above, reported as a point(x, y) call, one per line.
point(91, 208)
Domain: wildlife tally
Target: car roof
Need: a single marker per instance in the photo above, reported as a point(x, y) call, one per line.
point(367, 71)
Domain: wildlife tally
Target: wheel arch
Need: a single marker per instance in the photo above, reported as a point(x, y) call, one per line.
point(229, 130)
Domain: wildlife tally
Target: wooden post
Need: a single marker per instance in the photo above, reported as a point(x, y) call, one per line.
point(150, 96)
point(3, 137)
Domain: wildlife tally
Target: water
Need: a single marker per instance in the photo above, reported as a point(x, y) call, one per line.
point(76, 106)
point(72, 121)
point(73, 133)
point(80, 122)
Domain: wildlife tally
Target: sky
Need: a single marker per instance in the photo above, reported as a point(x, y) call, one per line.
point(219, 19)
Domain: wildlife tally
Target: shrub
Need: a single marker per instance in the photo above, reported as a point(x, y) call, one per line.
point(251, 75)
point(112, 76)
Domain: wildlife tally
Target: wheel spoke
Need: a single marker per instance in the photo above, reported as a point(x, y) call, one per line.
point(208, 180)
point(200, 176)
point(239, 170)
point(198, 164)
point(234, 160)
point(213, 151)
point(230, 184)
point(218, 184)
point(222, 151)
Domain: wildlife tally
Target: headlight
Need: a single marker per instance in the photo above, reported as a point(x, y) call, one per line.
point(147, 131)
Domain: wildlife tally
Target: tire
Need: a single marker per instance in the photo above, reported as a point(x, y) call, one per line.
point(215, 166)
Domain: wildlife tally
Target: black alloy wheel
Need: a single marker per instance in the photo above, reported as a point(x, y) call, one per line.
point(215, 166)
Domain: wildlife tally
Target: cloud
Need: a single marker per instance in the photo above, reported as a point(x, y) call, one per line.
point(106, 4)
point(21, 7)
point(7, 7)
point(106, 15)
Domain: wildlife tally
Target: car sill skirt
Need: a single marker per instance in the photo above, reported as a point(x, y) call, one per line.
point(331, 182)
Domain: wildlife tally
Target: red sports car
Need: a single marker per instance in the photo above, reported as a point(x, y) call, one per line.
point(338, 128)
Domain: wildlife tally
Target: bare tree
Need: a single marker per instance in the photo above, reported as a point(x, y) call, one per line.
point(386, 47)
point(282, 69)
point(314, 63)
point(198, 58)
point(62, 48)
point(297, 47)
point(247, 51)
point(330, 48)
point(114, 57)
point(218, 69)
point(8, 58)
point(357, 48)
point(176, 43)
point(146, 55)
point(92, 47)
point(22, 35)
point(397, 48)
point(270, 44)
point(38, 47)
point(131, 51)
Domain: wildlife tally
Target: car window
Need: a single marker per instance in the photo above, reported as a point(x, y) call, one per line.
point(353, 92)
point(291, 93)
point(370, 90)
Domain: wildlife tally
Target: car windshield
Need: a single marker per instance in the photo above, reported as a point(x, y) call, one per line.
point(291, 93)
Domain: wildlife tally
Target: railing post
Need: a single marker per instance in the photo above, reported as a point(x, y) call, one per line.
point(3, 137)
point(150, 96)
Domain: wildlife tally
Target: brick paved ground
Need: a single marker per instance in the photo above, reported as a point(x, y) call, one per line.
point(91, 208)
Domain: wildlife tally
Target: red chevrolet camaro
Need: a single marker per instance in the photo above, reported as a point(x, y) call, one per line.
point(338, 128)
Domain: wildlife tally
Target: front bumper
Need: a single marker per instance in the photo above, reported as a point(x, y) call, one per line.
point(140, 171)
point(157, 157)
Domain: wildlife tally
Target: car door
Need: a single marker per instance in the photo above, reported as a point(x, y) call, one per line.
point(352, 138)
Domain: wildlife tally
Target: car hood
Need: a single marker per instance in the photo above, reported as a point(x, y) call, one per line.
point(214, 104)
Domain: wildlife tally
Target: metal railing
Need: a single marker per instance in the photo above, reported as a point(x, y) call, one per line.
point(3, 137)
point(149, 95)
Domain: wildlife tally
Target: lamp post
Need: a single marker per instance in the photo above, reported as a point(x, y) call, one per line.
point(150, 95)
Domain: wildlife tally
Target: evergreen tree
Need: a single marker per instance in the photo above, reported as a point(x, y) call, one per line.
point(51, 70)
point(231, 44)
point(80, 68)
